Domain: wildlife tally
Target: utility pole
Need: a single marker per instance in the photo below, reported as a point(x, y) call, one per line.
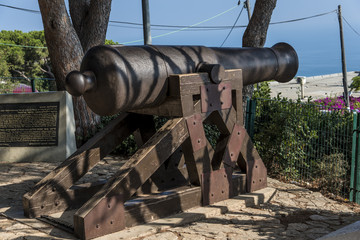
point(343, 62)
point(247, 6)
point(146, 21)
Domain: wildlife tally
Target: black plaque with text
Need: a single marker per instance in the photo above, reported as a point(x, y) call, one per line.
point(29, 124)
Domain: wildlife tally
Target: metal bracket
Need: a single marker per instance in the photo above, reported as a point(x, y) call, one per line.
point(256, 175)
point(196, 132)
point(215, 97)
point(216, 186)
point(234, 146)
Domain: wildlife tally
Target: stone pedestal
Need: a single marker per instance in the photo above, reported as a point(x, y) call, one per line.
point(36, 127)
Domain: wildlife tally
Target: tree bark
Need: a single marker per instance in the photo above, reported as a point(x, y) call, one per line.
point(90, 20)
point(66, 44)
point(256, 31)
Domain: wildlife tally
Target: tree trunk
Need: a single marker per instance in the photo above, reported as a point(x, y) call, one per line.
point(90, 20)
point(66, 46)
point(256, 31)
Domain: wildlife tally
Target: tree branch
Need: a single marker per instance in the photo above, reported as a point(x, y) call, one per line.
point(256, 31)
point(48, 71)
point(23, 75)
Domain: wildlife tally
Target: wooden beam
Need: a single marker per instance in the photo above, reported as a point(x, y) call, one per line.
point(256, 172)
point(135, 171)
point(77, 165)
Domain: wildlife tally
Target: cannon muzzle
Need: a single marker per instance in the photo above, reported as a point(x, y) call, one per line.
point(120, 78)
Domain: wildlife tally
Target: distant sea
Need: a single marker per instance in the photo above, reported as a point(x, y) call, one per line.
point(323, 65)
point(315, 60)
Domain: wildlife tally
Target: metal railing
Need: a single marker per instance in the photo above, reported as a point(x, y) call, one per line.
point(307, 144)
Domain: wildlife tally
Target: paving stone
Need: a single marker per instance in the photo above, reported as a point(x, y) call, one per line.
point(266, 221)
point(317, 224)
point(319, 230)
point(162, 236)
point(298, 226)
point(186, 236)
point(291, 233)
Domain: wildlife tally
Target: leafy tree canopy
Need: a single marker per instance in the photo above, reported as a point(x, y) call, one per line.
point(19, 63)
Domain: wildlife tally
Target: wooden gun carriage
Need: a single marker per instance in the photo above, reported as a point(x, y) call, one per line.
point(175, 167)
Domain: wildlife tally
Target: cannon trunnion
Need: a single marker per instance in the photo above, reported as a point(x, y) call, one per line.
point(175, 167)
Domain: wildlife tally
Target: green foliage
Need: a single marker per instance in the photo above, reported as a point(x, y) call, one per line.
point(332, 171)
point(128, 146)
point(262, 90)
point(212, 134)
point(303, 142)
point(355, 85)
point(19, 63)
point(7, 86)
point(110, 42)
point(281, 134)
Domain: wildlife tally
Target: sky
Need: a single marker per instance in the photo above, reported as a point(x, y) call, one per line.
point(316, 40)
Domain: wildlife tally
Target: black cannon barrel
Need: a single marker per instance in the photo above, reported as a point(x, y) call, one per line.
point(119, 78)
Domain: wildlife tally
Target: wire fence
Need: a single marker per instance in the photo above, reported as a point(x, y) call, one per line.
point(306, 144)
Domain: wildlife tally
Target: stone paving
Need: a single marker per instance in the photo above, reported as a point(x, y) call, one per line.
point(293, 212)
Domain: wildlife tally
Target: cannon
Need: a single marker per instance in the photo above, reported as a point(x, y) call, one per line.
point(175, 167)
point(121, 78)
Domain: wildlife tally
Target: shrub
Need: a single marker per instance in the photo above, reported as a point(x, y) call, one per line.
point(355, 85)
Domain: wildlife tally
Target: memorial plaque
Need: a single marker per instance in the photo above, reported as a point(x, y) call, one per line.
point(29, 124)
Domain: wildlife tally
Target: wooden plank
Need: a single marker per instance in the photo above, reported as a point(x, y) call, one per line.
point(78, 164)
point(171, 174)
point(155, 207)
point(256, 172)
point(216, 186)
point(149, 207)
point(217, 160)
point(224, 120)
point(234, 146)
point(171, 107)
point(72, 198)
point(137, 169)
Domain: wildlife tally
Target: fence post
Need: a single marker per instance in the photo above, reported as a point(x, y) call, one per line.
point(355, 162)
point(33, 85)
point(247, 113)
point(250, 116)
point(353, 158)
